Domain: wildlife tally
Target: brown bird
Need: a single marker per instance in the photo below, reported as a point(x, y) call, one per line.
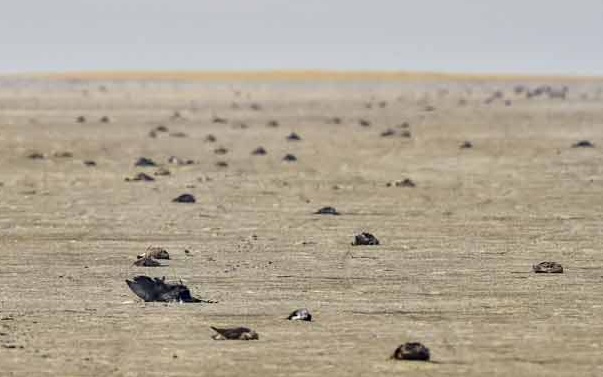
point(234, 333)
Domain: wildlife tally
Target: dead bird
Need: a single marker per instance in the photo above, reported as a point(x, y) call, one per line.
point(327, 211)
point(162, 172)
point(147, 262)
point(583, 144)
point(300, 315)
point(36, 156)
point(144, 161)
point(178, 161)
point(406, 182)
point(140, 177)
point(365, 238)
point(156, 252)
point(234, 333)
point(466, 145)
point(548, 268)
point(259, 151)
point(185, 198)
point(412, 351)
point(293, 137)
point(155, 289)
point(220, 150)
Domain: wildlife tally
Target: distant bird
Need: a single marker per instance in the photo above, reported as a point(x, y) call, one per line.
point(162, 172)
point(36, 156)
point(548, 268)
point(364, 122)
point(234, 333)
point(293, 137)
point(289, 158)
point(407, 182)
point(388, 132)
point(583, 144)
point(412, 351)
point(365, 239)
point(155, 289)
point(144, 161)
point(140, 177)
point(220, 150)
point(327, 211)
point(217, 119)
point(156, 252)
point(185, 198)
point(300, 315)
point(466, 145)
point(259, 151)
point(147, 262)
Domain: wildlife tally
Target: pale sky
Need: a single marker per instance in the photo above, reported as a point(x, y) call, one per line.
point(513, 36)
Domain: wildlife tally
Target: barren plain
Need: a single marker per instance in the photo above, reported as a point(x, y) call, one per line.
point(453, 270)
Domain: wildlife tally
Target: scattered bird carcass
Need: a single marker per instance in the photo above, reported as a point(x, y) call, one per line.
point(548, 268)
point(365, 239)
point(412, 351)
point(300, 315)
point(327, 211)
point(157, 289)
point(234, 333)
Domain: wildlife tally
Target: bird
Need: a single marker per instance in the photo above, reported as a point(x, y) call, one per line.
point(156, 289)
point(327, 211)
point(234, 333)
point(147, 262)
point(411, 351)
point(156, 252)
point(300, 315)
point(365, 238)
point(548, 268)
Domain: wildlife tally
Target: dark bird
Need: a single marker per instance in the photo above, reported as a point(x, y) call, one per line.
point(184, 198)
point(466, 145)
point(300, 315)
point(365, 239)
point(234, 333)
point(548, 268)
point(147, 262)
point(259, 151)
point(289, 157)
point(143, 161)
point(293, 137)
point(583, 144)
point(327, 211)
point(155, 289)
point(411, 351)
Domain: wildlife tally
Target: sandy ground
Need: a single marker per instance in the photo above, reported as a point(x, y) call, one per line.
point(453, 270)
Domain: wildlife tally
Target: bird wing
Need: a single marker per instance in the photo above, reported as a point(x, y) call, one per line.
point(144, 287)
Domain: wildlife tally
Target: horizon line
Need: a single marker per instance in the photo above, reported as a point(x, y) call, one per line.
point(291, 75)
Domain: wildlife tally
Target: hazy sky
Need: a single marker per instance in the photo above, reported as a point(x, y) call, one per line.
point(532, 36)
